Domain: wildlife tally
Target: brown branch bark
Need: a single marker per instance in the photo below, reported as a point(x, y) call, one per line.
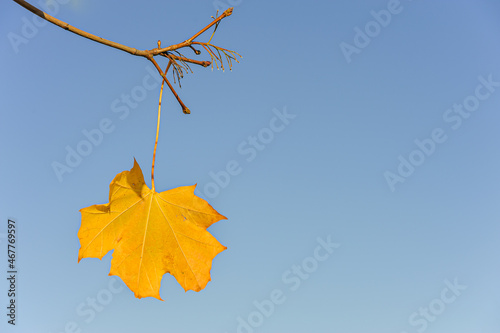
point(77, 31)
point(149, 54)
point(197, 62)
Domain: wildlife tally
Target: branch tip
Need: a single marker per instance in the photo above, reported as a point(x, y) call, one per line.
point(197, 52)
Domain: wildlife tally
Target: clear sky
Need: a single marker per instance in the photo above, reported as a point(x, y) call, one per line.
point(366, 136)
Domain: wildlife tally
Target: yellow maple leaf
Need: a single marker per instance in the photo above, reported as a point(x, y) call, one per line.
point(152, 234)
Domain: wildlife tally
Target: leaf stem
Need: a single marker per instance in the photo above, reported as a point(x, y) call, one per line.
point(157, 131)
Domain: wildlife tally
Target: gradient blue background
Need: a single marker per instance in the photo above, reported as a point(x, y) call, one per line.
point(323, 175)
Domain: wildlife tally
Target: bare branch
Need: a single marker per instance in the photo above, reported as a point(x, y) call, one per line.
point(185, 109)
point(174, 60)
point(227, 13)
point(197, 62)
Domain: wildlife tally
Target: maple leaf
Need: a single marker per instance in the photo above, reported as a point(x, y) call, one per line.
point(152, 234)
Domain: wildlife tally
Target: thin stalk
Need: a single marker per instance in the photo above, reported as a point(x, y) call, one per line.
point(157, 132)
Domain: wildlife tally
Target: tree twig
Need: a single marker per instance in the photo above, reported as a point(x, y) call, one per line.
point(163, 75)
point(80, 32)
point(149, 54)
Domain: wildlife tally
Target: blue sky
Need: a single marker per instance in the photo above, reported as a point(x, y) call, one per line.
point(366, 135)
